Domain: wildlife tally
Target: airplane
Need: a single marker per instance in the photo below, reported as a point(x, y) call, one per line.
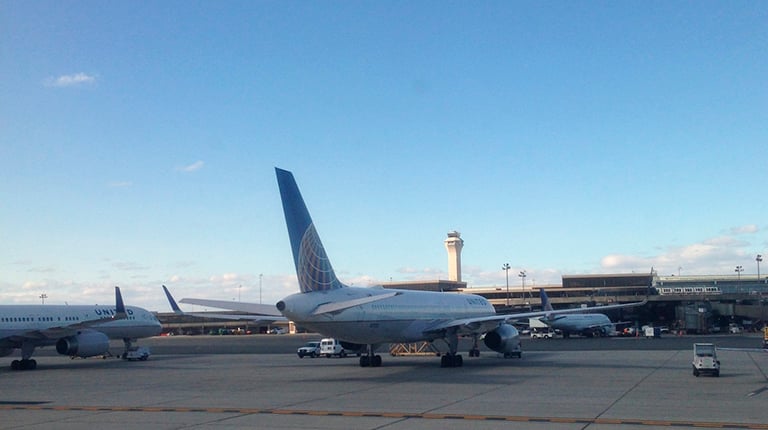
point(586, 324)
point(254, 311)
point(76, 331)
point(375, 316)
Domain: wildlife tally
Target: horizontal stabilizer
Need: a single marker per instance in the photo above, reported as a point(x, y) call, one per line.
point(340, 306)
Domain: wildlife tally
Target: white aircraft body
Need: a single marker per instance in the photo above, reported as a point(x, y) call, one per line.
point(375, 316)
point(585, 324)
point(76, 331)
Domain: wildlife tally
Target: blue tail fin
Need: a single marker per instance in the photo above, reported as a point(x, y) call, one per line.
point(312, 265)
point(545, 305)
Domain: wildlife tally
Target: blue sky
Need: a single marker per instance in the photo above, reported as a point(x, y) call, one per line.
point(138, 142)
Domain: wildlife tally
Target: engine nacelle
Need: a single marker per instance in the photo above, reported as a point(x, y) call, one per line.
point(504, 339)
point(84, 344)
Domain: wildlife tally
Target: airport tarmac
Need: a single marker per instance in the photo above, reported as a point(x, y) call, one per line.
point(235, 382)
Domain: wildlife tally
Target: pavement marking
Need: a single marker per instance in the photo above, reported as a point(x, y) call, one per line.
point(39, 406)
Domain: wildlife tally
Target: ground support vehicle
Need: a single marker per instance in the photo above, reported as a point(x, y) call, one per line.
point(705, 359)
point(310, 349)
point(542, 334)
point(330, 347)
point(765, 337)
point(140, 353)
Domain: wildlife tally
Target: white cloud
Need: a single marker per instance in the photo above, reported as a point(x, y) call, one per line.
point(70, 80)
point(717, 255)
point(197, 165)
point(120, 184)
point(745, 229)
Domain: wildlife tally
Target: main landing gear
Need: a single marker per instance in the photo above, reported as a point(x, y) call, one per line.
point(452, 358)
point(370, 359)
point(26, 362)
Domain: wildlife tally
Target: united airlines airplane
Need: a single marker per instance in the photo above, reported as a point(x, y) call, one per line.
point(585, 324)
point(375, 316)
point(77, 331)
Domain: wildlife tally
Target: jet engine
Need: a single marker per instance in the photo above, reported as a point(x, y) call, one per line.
point(84, 344)
point(504, 339)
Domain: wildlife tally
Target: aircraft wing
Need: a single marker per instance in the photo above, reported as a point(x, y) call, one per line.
point(235, 317)
point(483, 324)
point(257, 312)
point(251, 308)
point(263, 312)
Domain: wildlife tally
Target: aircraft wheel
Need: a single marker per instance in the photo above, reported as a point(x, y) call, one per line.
point(376, 362)
point(365, 361)
point(444, 361)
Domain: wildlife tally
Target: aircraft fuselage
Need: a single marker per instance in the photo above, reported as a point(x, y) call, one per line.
point(404, 317)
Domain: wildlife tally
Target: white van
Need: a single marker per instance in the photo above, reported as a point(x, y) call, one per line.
point(330, 347)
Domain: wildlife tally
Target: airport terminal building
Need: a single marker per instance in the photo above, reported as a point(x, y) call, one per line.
point(694, 304)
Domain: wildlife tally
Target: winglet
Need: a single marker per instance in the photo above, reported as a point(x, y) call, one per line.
point(174, 306)
point(120, 313)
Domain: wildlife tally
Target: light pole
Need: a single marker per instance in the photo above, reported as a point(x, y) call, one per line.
point(261, 275)
point(43, 297)
point(738, 271)
point(758, 259)
point(506, 268)
point(522, 276)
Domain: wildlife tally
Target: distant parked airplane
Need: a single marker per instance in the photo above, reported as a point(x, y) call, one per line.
point(77, 331)
point(585, 324)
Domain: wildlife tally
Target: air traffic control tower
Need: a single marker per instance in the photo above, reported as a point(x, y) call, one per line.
point(453, 245)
